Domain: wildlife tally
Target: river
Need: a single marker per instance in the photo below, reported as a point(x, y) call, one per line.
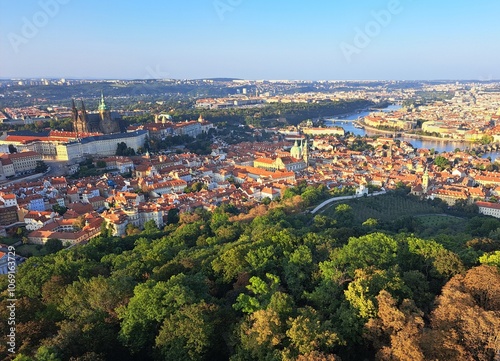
point(438, 145)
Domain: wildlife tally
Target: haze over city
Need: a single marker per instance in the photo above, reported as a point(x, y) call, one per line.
point(382, 39)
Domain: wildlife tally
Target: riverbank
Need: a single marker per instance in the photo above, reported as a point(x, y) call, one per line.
point(414, 136)
point(334, 118)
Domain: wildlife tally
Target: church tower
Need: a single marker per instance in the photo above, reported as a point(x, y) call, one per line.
point(74, 115)
point(79, 119)
point(425, 181)
point(305, 153)
point(74, 111)
point(105, 122)
point(83, 114)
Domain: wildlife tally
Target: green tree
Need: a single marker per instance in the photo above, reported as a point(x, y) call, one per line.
point(79, 222)
point(231, 262)
point(150, 227)
point(33, 274)
point(121, 148)
point(57, 208)
point(297, 270)
point(189, 333)
point(442, 162)
point(173, 216)
point(490, 259)
point(486, 139)
point(308, 333)
point(432, 259)
point(131, 230)
point(41, 166)
point(53, 245)
point(367, 284)
point(106, 230)
point(370, 223)
point(152, 303)
point(344, 215)
point(374, 250)
point(219, 219)
point(45, 353)
point(266, 201)
point(262, 291)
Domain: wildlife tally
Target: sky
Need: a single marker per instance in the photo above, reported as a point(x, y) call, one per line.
point(251, 39)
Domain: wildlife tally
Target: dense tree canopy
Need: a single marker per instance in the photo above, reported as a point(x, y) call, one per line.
point(272, 283)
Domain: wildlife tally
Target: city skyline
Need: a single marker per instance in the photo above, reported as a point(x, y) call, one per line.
point(376, 40)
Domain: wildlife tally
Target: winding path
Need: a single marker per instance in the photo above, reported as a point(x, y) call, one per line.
point(342, 198)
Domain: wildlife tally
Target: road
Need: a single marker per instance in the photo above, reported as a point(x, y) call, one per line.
point(57, 168)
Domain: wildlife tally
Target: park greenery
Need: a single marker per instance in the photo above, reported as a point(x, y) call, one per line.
point(427, 97)
point(371, 278)
point(268, 115)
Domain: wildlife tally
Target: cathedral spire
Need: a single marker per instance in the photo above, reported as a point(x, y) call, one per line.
point(74, 115)
point(74, 110)
point(84, 119)
point(84, 112)
point(102, 105)
point(305, 153)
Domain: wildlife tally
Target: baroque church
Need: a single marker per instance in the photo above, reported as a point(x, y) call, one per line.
point(296, 160)
point(104, 121)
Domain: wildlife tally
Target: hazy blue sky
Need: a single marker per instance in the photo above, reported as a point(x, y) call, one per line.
point(252, 39)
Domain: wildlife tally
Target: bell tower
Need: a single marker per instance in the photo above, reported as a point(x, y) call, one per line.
point(80, 124)
point(425, 181)
point(305, 153)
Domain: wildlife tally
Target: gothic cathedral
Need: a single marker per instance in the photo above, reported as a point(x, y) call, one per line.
point(104, 121)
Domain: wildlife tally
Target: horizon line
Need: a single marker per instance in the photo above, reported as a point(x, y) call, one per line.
point(243, 79)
